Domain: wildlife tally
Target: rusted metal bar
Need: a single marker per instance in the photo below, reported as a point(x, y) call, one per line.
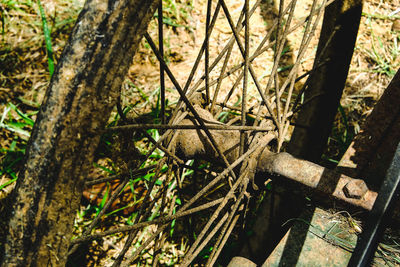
point(220, 127)
point(341, 22)
point(342, 187)
point(161, 48)
point(206, 52)
point(245, 75)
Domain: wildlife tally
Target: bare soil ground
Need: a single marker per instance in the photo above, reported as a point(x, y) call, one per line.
point(24, 78)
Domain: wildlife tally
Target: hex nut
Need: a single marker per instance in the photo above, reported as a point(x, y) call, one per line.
point(356, 189)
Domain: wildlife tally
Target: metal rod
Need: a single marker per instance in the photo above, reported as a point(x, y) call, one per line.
point(260, 50)
point(252, 72)
point(352, 191)
point(307, 36)
point(218, 127)
point(198, 244)
point(230, 43)
point(207, 52)
point(180, 213)
point(161, 48)
point(131, 175)
point(197, 61)
point(142, 209)
point(220, 78)
point(187, 102)
point(246, 74)
point(114, 196)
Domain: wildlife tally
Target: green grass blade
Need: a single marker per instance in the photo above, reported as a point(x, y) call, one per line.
point(23, 116)
point(103, 168)
point(8, 183)
point(14, 128)
point(47, 38)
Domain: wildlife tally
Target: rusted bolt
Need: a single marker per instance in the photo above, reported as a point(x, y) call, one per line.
point(356, 189)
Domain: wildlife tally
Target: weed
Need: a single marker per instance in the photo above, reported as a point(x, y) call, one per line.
point(103, 201)
point(20, 124)
point(47, 38)
point(175, 13)
point(17, 126)
point(27, 36)
point(109, 171)
point(384, 56)
point(379, 16)
point(341, 136)
point(205, 253)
